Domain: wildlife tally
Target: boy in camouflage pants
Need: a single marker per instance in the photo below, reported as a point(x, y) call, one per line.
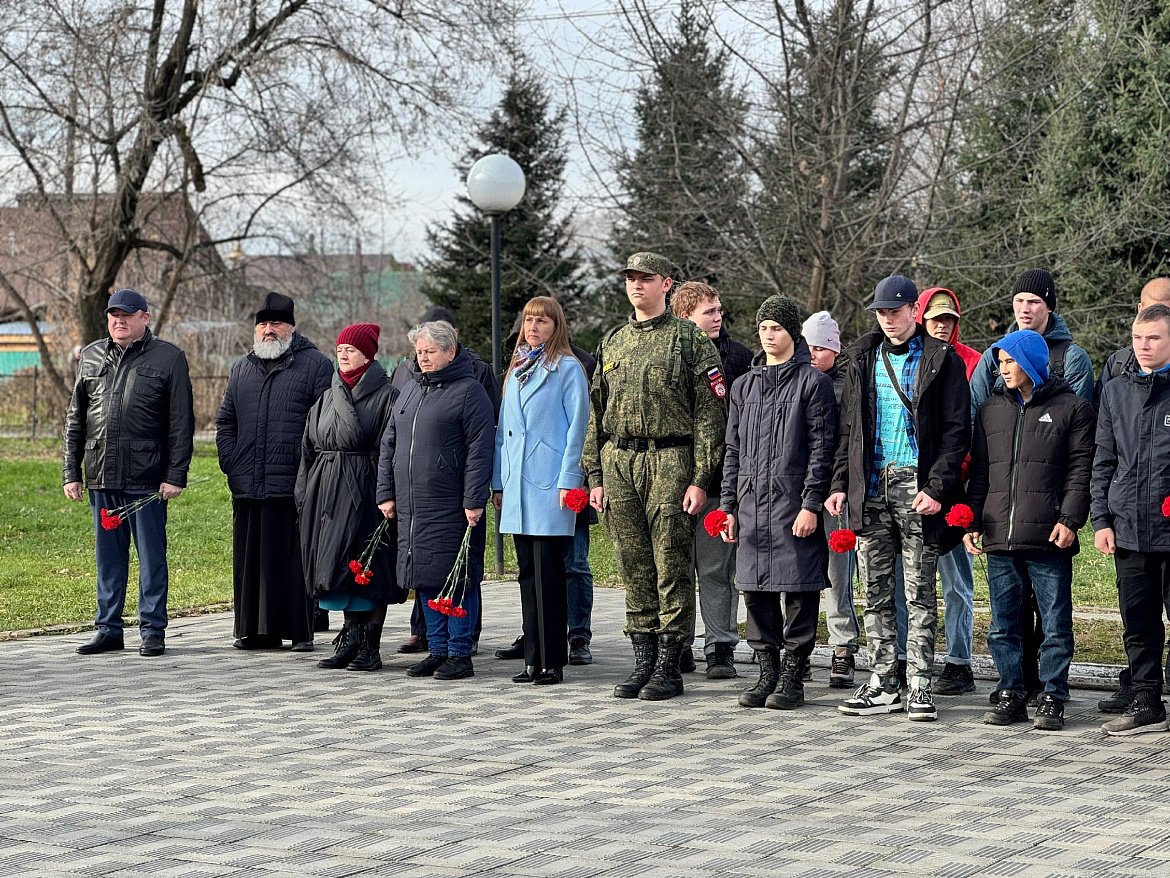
point(904, 432)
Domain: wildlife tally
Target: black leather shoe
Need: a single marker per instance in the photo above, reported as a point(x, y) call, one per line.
point(100, 643)
point(579, 653)
point(456, 667)
point(549, 677)
point(257, 641)
point(427, 667)
point(515, 651)
point(525, 676)
point(152, 644)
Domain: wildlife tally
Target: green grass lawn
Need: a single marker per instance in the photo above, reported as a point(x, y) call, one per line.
point(47, 565)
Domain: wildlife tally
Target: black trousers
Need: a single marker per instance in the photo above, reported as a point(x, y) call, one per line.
point(543, 599)
point(783, 619)
point(1143, 590)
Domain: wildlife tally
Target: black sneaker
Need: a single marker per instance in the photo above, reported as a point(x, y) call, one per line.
point(721, 663)
point(841, 671)
point(954, 680)
point(1118, 701)
point(1010, 707)
point(920, 705)
point(1146, 713)
point(1049, 714)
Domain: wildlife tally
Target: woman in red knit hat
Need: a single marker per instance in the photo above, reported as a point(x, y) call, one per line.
point(335, 497)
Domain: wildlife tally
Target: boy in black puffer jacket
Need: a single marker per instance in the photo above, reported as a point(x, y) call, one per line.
point(1031, 463)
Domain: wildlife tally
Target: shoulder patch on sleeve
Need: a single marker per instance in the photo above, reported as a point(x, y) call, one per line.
point(715, 379)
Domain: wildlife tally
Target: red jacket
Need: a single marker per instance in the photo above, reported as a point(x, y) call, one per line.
point(969, 355)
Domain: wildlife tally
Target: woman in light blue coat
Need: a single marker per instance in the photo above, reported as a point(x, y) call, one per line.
point(543, 417)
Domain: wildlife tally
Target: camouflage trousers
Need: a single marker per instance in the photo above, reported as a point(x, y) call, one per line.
point(889, 524)
point(652, 537)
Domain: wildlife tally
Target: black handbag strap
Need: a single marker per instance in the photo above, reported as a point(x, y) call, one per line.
point(897, 384)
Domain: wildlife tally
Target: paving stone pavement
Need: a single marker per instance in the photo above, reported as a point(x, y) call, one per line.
point(209, 761)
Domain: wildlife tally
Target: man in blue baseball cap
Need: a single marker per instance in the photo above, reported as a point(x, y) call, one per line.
point(904, 431)
point(131, 425)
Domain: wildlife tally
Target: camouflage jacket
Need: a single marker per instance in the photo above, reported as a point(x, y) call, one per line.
point(645, 387)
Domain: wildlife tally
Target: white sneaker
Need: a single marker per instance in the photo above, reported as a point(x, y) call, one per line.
point(920, 706)
point(872, 698)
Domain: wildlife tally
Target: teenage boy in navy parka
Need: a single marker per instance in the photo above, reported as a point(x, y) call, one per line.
point(779, 458)
point(1031, 462)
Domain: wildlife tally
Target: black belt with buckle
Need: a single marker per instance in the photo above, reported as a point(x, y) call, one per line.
point(637, 443)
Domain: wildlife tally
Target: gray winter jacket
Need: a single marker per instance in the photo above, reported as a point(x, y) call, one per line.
point(781, 431)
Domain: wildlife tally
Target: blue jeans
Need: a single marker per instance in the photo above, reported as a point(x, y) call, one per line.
point(148, 527)
point(579, 582)
point(957, 578)
point(450, 635)
point(1051, 576)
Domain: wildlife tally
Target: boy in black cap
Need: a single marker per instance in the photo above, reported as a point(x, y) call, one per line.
point(904, 431)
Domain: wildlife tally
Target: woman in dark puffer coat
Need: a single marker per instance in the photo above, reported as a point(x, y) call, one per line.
point(434, 476)
point(781, 431)
point(335, 497)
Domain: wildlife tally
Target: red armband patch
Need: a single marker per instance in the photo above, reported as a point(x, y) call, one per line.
point(715, 379)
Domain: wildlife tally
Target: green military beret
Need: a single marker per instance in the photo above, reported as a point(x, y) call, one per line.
point(649, 263)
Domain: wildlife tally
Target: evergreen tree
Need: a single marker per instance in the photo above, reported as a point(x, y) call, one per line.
point(538, 257)
point(681, 189)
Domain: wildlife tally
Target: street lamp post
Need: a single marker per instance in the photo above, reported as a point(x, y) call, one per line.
point(495, 184)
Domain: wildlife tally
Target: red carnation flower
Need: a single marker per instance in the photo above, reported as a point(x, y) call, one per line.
point(459, 612)
point(576, 499)
point(446, 602)
point(361, 580)
point(1166, 507)
point(110, 522)
point(715, 522)
point(355, 566)
point(960, 515)
point(368, 574)
point(842, 540)
point(434, 605)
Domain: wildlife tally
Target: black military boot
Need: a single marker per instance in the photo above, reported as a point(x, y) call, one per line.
point(368, 657)
point(789, 693)
point(345, 644)
point(645, 655)
point(666, 681)
point(769, 660)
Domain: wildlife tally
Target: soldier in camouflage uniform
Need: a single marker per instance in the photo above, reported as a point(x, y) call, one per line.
point(656, 423)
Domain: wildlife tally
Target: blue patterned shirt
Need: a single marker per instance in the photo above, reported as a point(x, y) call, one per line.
point(895, 442)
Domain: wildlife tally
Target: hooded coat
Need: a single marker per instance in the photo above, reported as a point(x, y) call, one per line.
point(1031, 462)
point(336, 486)
point(436, 461)
point(781, 429)
point(969, 355)
point(1078, 368)
point(1131, 470)
point(942, 423)
point(261, 420)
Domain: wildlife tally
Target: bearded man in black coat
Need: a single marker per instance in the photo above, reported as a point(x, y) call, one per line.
point(258, 435)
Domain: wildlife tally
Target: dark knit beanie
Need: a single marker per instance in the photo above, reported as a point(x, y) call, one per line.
point(438, 313)
point(363, 336)
point(276, 307)
point(782, 310)
point(1038, 282)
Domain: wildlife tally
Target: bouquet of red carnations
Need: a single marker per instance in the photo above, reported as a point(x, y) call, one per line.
point(456, 584)
point(112, 518)
point(362, 568)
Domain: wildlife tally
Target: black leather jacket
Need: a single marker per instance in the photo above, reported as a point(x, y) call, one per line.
point(130, 419)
